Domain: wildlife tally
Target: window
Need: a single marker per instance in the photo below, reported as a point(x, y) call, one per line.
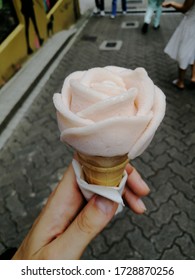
point(8, 19)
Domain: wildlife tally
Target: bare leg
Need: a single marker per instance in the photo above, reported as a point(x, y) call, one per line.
point(181, 75)
point(193, 73)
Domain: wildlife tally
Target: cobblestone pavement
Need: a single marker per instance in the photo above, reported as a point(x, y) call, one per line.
point(33, 159)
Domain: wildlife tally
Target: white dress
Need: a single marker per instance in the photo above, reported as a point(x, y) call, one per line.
point(181, 46)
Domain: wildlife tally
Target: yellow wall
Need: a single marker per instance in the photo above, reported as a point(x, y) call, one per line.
point(13, 51)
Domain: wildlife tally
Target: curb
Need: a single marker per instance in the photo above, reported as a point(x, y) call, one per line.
point(16, 91)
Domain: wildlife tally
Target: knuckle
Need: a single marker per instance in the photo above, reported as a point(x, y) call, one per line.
point(84, 223)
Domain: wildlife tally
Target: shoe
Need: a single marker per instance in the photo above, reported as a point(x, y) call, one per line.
point(96, 11)
point(41, 41)
point(102, 14)
point(145, 28)
point(124, 12)
point(156, 27)
point(175, 83)
point(29, 51)
point(112, 16)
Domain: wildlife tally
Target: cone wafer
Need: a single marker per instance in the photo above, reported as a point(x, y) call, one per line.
point(104, 171)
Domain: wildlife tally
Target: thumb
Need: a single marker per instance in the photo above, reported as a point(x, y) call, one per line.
point(90, 221)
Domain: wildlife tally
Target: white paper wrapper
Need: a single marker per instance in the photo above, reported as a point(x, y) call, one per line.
point(88, 190)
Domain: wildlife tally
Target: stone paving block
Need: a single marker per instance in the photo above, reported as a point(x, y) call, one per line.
point(186, 173)
point(142, 245)
point(15, 206)
point(120, 226)
point(166, 237)
point(22, 187)
point(175, 131)
point(150, 204)
point(175, 142)
point(119, 251)
point(97, 247)
point(162, 194)
point(2, 206)
point(189, 127)
point(160, 161)
point(185, 205)
point(190, 139)
point(6, 190)
point(164, 213)
point(159, 148)
point(185, 224)
point(144, 169)
point(8, 229)
point(5, 181)
point(186, 188)
point(191, 153)
point(145, 224)
point(162, 177)
point(24, 224)
point(173, 253)
point(175, 154)
point(147, 157)
point(37, 200)
point(184, 242)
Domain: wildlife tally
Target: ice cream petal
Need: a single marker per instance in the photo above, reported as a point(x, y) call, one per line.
point(159, 108)
point(66, 118)
point(108, 87)
point(83, 96)
point(120, 105)
point(116, 69)
point(107, 138)
point(98, 75)
point(66, 89)
point(140, 80)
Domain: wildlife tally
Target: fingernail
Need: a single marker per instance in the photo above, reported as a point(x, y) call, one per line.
point(138, 180)
point(145, 185)
point(141, 204)
point(104, 204)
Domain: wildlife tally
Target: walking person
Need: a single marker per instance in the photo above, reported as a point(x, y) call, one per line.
point(99, 9)
point(114, 8)
point(153, 6)
point(181, 46)
point(27, 10)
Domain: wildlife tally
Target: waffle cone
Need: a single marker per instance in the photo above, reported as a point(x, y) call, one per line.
point(104, 171)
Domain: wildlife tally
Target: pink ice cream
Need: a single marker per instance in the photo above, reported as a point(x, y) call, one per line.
point(109, 111)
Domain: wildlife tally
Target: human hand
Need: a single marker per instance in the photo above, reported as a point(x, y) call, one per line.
point(67, 223)
point(167, 4)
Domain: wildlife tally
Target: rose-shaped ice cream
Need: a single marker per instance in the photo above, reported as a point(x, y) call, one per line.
point(109, 111)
